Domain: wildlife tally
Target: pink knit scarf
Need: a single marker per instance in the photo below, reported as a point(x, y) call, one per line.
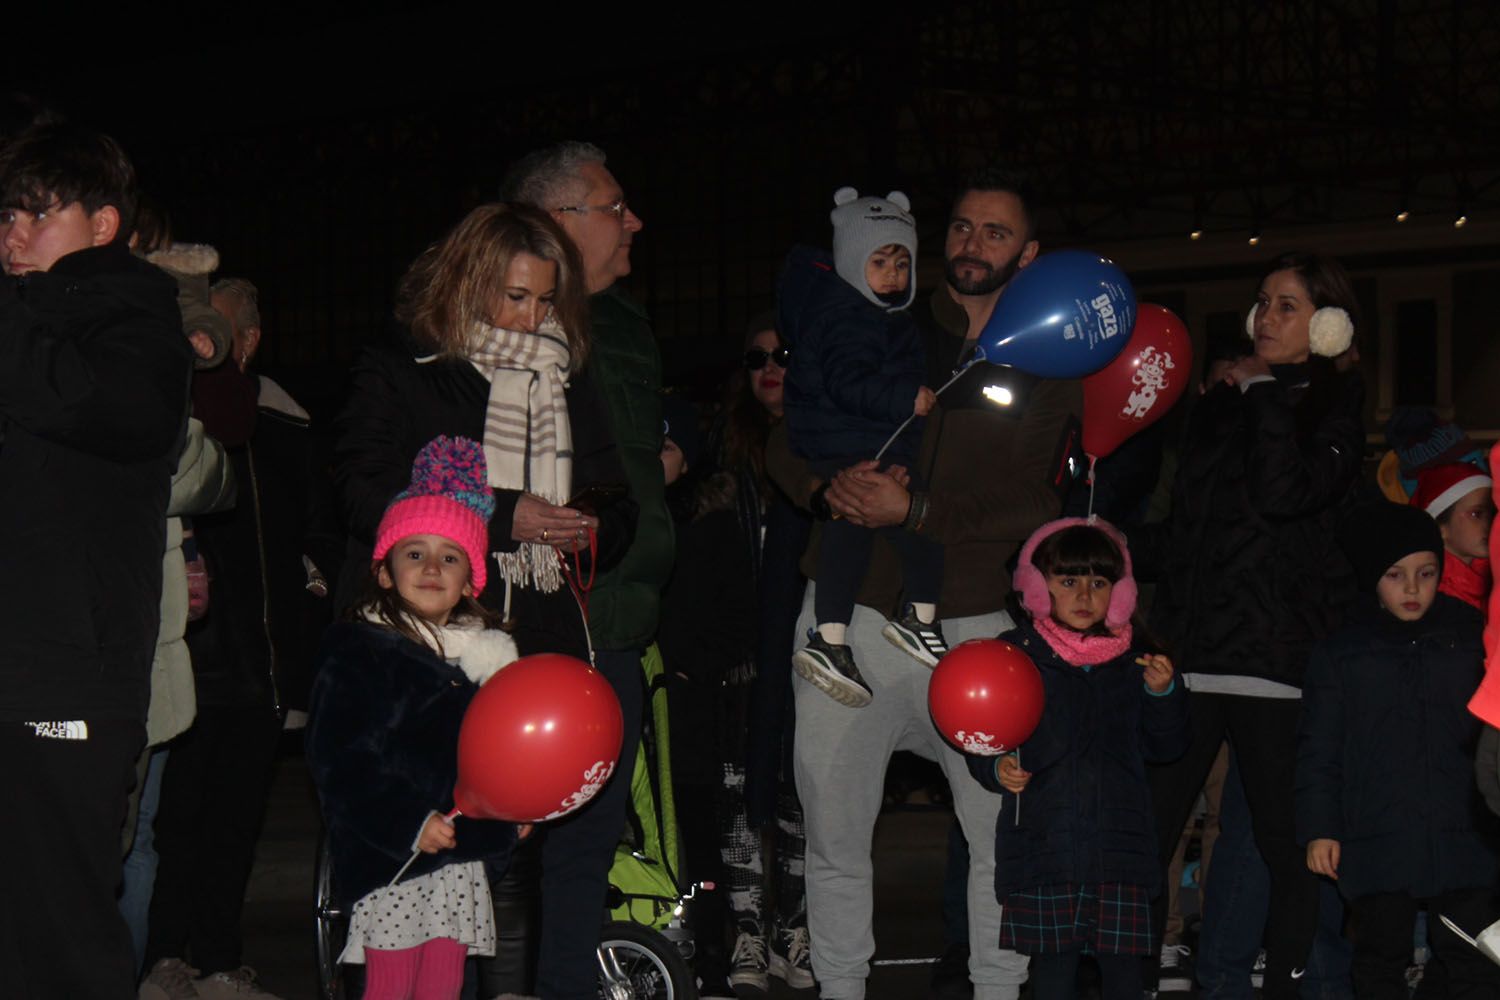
point(1079, 649)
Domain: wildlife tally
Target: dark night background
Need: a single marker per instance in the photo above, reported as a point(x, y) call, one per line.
point(321, 151)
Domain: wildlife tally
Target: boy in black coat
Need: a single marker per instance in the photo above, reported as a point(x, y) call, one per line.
point(93, 401)
point(1386, 799)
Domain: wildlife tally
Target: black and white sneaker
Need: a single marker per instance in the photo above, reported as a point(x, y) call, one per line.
point(919, 640)
point(1176, 976)
point(830, 668)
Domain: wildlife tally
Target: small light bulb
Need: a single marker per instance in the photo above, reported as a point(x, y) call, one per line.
point(1460, 222)
point(1254, 239)
point(1196, 234)
point(1403, 215)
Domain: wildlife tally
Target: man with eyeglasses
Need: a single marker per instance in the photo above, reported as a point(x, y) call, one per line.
point(571, 182)
point(995, 473)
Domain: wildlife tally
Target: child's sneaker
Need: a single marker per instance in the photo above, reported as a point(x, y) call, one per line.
point(921, 641)
point(830, 668)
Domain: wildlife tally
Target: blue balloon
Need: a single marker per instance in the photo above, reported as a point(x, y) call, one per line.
point(1066, 315)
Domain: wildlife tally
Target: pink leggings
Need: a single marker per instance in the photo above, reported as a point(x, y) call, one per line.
point(433, 970)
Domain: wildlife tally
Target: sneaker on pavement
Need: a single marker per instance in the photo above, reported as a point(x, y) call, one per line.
point(830, 668)
point(1176, 977)
point(950, 976)
point(747, 966)
point(921, 641)
point(240, 984)
point(169, 979)
point(791, 959)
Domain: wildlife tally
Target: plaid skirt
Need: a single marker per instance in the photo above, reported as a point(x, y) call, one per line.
point(1108, 918)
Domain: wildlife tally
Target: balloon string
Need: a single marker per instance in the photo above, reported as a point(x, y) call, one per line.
point(580, 586)
point(905, 423)
point(1092, 460)
point(448, 817)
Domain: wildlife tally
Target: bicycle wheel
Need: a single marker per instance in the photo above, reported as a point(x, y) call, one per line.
point(637, 963)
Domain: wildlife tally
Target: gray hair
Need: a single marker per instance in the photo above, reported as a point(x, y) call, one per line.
point(246, 301)
point(548, 178)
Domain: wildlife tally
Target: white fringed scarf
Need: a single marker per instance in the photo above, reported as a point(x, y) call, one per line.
point(528, 442)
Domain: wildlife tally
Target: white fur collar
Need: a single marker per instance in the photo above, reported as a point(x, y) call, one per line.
point(478, 651)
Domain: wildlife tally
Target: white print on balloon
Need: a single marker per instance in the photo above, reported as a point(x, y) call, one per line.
point(1151, 376)
point(977, 743)
point(593, 780)
point(1108, 324)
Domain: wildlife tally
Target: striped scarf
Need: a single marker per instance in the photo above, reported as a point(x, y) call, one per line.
point(528, 442)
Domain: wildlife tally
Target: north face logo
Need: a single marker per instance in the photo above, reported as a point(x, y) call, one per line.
point(77, 730)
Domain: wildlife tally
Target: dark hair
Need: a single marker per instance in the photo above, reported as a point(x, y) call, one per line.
point(747, 424)
point(65, 163)
point(1326, 280)
point(153, 226)
point(996, 178)
point(1079, 550)
point(385, 606)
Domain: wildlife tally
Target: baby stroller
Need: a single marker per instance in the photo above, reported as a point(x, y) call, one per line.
point(645, 942)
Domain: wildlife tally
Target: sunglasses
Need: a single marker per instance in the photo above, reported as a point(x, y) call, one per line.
point(756, 358)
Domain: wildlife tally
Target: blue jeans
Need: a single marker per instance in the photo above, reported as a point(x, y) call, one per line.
point(140, 864)
point(1235, 902)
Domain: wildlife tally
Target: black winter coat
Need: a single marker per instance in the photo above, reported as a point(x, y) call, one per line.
point(855, 368)
point(396, 405)
point(93, 398)
point(382, 745)
point(1085, 816)
point(1249, 575)
point(1385, 755)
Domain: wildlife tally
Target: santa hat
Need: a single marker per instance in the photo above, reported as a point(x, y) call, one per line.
point(448, 496)
point(1442, 486)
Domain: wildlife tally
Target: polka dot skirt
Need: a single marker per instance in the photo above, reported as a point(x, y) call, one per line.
point(452, 902)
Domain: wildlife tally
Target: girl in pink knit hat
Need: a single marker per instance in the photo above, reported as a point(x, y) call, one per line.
point(392, 688)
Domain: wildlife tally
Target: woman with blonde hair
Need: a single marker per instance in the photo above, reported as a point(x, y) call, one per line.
point(493, 347)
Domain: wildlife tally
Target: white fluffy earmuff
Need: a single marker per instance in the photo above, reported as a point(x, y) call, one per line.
point(1329, 332)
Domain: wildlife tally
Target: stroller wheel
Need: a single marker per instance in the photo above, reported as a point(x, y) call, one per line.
point(638, 963)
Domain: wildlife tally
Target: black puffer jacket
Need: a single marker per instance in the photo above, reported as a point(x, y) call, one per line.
point(396, 405)
point(1085, 816)
point(1249, 575)
point(1385, 755)
point(93, 395)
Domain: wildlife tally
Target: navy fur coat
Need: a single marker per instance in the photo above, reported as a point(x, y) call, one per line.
point(1085, 816)
point(382, 744)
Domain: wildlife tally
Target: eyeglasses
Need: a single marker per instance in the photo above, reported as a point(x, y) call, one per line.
point(617, 208)
point(756, 358)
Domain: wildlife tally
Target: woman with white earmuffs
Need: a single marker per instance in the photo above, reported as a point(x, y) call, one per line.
point(1249, 575)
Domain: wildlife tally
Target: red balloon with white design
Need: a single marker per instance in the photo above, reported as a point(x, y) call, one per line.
point(1141, 384)
point(985, 697)
point(538, 741)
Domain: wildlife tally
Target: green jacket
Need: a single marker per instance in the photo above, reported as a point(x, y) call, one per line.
point(626, 601)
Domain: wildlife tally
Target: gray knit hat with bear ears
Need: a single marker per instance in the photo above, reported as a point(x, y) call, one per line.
point(863, 225)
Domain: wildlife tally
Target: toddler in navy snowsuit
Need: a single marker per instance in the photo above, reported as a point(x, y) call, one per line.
point(855, 377)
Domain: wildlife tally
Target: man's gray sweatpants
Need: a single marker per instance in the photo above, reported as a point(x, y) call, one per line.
point(841, 757)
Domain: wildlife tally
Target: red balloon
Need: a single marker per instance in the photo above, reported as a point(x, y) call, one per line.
point(540, 738)
point(1141, 384)
point(985, 697)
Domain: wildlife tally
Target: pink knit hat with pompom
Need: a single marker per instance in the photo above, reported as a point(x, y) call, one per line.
point(448, 496)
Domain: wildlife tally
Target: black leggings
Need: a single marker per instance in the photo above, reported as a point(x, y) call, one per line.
point(1054, 976)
